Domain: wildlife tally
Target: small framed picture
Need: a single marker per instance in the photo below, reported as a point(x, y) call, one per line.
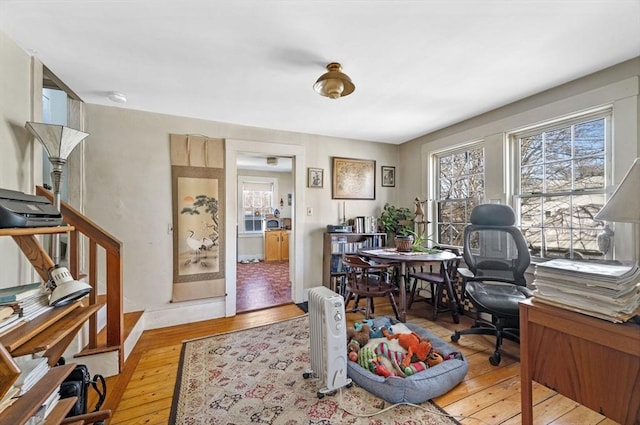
point(388, 176)
point(315, 177)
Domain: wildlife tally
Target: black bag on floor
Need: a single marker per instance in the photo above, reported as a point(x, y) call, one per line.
point(77, 385)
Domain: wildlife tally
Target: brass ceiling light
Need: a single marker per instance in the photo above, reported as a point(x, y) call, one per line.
point(334, 83)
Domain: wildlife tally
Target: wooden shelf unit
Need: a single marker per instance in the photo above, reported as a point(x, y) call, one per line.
point(336, 244)
point(49, 333)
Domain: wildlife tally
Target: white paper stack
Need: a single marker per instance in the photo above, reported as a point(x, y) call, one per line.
point(608, 290)
point(31, 370)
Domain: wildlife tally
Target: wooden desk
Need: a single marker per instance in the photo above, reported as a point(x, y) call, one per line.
point(589, 360)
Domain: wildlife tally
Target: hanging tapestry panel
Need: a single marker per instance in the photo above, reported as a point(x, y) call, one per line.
point(197, 179)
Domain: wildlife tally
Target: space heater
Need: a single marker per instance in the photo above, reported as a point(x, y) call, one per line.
point(328, 340)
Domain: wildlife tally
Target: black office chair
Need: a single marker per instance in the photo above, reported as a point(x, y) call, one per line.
point(497, 254)
point(437, 279)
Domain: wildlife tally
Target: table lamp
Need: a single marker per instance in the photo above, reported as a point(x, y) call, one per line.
point(59, 141)
point(623, 206)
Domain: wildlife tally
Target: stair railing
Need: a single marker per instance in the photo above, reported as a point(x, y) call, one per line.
point(114, 272)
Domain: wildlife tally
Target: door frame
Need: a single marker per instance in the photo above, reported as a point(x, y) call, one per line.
point(296, 245)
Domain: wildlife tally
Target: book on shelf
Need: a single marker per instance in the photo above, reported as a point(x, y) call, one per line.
point(20, 292)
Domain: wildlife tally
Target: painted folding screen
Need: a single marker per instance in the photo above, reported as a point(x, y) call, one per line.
point(197, 179)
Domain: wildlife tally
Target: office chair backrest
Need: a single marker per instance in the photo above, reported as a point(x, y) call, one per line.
point(493, 246)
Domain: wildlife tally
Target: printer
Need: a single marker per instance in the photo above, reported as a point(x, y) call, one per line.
point(18, 209)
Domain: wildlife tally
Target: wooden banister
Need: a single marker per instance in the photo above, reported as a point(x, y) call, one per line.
point(97, 236)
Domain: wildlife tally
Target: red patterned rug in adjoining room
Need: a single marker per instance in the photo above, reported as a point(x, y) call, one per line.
point(262, 284)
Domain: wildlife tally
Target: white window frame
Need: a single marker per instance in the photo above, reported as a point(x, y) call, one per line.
point(435, 188)
point(241, 219)
point(513, 138)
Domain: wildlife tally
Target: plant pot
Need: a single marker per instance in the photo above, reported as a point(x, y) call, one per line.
point(403, 243)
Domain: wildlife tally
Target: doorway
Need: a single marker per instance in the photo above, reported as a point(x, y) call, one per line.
point(297, 248)
point(264, 216)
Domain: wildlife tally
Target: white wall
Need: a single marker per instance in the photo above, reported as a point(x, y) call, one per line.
point(617, 87)
point(18, 152)
point(128, 185)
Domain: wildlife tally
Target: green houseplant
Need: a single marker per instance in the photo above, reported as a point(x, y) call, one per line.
point(397, 222)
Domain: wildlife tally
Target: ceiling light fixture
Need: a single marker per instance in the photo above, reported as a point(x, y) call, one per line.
point(334, 83)
point(117, 97)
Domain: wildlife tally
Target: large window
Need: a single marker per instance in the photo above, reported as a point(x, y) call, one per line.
point(256, 200)
point(460, 187)
point(561, 177)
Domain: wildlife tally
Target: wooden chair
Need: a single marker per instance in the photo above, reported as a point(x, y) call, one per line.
point(436, 279)
point(367, 280)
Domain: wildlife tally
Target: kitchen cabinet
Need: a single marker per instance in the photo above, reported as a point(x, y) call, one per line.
point(276, 245)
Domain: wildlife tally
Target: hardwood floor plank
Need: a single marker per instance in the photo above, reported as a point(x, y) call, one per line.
point(142, 393)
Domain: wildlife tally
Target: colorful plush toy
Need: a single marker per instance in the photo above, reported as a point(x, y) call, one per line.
point(366, 356)
point(380, 369)
point(396, 358)
point(418, 349)
point(356, 339)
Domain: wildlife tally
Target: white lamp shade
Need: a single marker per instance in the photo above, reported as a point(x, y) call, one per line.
point(57, 140)
point(624, 205)
point(67, 289)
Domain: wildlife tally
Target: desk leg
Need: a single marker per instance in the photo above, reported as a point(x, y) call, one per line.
point(454, 306)
point(526, 392)
point(402, 305)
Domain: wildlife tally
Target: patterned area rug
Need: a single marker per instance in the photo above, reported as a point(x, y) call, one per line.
point(256, 376)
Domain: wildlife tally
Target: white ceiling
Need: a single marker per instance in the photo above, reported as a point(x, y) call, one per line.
point(418, 66)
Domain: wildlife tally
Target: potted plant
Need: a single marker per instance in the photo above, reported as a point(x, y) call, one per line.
point(397, 222)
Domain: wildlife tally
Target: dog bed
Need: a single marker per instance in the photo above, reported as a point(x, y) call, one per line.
point(416, 388)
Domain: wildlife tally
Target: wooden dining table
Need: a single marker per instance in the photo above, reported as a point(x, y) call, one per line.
point(391, 255)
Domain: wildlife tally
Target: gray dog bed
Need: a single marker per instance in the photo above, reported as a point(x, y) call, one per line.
point(419, 387)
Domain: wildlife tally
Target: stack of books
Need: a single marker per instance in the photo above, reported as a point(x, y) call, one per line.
point(21, 303)
point(607, 290)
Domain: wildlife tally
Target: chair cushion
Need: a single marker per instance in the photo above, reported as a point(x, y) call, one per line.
point(416, 388)
point(502, 299)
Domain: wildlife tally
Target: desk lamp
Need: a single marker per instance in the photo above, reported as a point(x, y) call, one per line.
point(58, 142)
point(624, 205)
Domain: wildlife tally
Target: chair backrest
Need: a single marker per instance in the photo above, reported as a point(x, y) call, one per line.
point(493, 246)
point(365, 276)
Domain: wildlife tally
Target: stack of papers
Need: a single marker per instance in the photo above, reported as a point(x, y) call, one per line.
point(608, 290)
point(31, 370)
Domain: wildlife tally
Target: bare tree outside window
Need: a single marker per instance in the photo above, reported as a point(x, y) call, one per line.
point(561, 187)
point(460, 188)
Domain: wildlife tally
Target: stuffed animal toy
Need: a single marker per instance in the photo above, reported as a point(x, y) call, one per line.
point(380, 369)
point(418, 349)
point(366, 357)
point(356, 339)
point(397, 357)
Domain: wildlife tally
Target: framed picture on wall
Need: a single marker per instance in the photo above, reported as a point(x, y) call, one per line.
point(315, 177)
point(388, 176)
point(353, 178)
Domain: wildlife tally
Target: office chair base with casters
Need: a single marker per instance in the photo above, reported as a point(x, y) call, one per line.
point(499, 301)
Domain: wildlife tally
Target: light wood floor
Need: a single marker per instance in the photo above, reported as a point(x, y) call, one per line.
point(142, 394)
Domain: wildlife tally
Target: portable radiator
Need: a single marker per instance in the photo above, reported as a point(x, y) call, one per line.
point(328, 340)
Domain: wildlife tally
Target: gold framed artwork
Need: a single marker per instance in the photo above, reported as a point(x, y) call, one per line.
point(353, 178)
point(315, 177)
point(388, 176)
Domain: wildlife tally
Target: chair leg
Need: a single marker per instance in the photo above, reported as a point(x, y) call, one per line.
point(437, 295)
point(394, 306)
point(369, 308)
point(413, 292)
